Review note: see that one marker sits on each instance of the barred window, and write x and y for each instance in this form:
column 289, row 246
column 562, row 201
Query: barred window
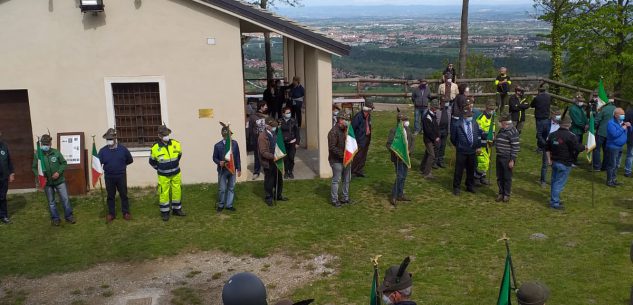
column 137, row 113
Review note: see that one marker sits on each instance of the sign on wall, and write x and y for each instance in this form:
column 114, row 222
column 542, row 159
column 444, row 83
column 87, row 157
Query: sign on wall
column 70, row 147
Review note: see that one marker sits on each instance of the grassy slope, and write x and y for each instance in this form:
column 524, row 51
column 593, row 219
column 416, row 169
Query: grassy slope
column 457, row 259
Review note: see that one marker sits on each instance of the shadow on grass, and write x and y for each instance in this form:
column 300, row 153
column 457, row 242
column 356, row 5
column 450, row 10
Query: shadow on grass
column 624, row 203
column 536, row 194
column 17, row 204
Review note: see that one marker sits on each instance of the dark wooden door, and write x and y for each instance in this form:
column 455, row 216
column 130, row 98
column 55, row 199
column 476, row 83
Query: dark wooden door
column 15, row 124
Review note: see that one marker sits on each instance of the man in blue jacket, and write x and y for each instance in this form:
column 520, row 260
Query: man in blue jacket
column 362, row 130
column 226, row 178
column 616, row 138
column 115, row 159
column 466, row 137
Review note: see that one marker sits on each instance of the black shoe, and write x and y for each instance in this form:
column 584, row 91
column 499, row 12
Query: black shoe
column 178, row 212
column 282, row 198
column 456, row 192
column 71, row 220
column 165, row 215
column 219, row 210
column 269, row 202
column 232, row 209
column 470, row 190
column 403, row 198
column 359, row 175
column 442, row 165
column 337, row 204
column 5, row 220
column 392, row 201
column 291, row 175
column 345, row 201
column 56, row 222
column 629, row 175
column 558, row 207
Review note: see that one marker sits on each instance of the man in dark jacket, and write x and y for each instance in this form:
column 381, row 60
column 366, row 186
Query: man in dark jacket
column 459, row 105
column 431, row 140
column 397, row 192
column 518, row 105
column 444, row 122
column 466, row 137
column 560, row 149
column 579, row 121
column 256, row 126
column 336, row 152
column 296, row 95
column 507, row 144
column 602, row 118
column 226, row 178
column 362, row 129
column 273, row 179
column 7, row 175
column 115, row 159
column 420, row 97
column 541, row 104
column 292, row 138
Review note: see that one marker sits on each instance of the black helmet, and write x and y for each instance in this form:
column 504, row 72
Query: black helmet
column 244, row 289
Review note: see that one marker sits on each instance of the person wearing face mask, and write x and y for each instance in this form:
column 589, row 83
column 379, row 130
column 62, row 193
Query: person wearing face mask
column 486, row 123
column 336, row 152
column 507, row 144
column 431, row 140
column 292, row 138
column 257, row 125
column 53, row 169
column 542, row 107
column 616, row 138
column 115, row 158
column 227, row 173
column 362, row 129
column 397, row 191
column 335, row 111
column 443, row 116
column 448, row 89
column 420, row 97
column 7, row 175
column 502, row 82
column 602, row 118
column 579, row 121
column 273, row 179
column 296, row 95
column 165, row 159
column 518, row 105
column 397, row 285
column 554, row 125
column 466, row 137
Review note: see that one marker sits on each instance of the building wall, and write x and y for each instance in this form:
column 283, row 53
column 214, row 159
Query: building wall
column 63, row 57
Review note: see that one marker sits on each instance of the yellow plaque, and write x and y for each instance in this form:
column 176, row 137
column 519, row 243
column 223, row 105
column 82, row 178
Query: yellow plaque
column 205, row 113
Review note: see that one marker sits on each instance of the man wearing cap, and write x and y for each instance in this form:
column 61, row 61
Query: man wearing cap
column 420, row 97
column 532, row 293
column 226, row 178
column 397, row 285
column 115, row 159
column 507, row 144
column 541, row 104
column 256, row 126
column 466, row 137
column 397, row 191
column 502, row 82
column 431, row 140
column 616, row 138
column 487, row 125
column 561, row 148
column 605, row 114
column 53, row 169
column 362, row 129
column 273, row 179
column 165, row 159
column 448, row 89
column 336, row 152
column 7, row 175
column 443, row 116
column 518, row 105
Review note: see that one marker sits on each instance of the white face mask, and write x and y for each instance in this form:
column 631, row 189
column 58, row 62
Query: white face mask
column 287, row 115
column 581, row 104
column 467, row 89
column 110, row 142
column 406, row 123
column 386, row 300
column 558, row 117
column 446, row 104
column 165, row 139
column 335, row 112
column 274, row 129
column 449, row 80
column 367, row 109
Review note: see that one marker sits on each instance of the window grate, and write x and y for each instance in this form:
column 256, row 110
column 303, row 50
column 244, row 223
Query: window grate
column 137, row 113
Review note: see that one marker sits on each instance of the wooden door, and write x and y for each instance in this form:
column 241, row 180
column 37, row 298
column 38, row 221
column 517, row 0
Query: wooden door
column 15, row 124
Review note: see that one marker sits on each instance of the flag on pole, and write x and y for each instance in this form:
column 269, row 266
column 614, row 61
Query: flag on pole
column 603, row 99
column 40, row 166
column 373, row 295
column 505, row 291
column 351, row 146
column 591, row 137
column 97, row 168
column 400, row 145
column 228, row 156
column 280, row 151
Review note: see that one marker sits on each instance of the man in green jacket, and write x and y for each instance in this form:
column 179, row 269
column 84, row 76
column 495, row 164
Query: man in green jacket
column 53, row 168
column 604, row 115
column 579, row 122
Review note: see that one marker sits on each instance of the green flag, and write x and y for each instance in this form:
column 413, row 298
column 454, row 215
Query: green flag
column 603, row 98
column 400, row 145
column 280, row 151
column 505, row 292
column 373, row 295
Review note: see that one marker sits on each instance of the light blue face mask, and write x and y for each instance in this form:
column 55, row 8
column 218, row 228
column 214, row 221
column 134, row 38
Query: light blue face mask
column 45, row 148
column 621, row 117
column 469, row 119
column 558, row 117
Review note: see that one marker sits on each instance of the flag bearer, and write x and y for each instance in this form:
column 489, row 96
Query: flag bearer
column 226, row 154
column 397, row 285
column 273, row 179
column 115, row 159
column 336, row 156
column 165, row 159
column 400, row 144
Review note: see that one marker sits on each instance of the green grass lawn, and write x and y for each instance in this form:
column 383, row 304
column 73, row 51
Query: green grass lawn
column 453, row 240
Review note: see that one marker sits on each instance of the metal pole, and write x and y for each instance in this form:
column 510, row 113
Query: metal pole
column 514, row 280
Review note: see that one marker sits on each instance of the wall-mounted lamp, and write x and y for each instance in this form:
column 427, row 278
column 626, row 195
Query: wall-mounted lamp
column 93, row 6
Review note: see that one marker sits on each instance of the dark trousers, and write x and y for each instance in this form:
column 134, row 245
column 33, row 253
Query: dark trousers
column 273, row 182
column 575, row 158
column 504, row 175
column 520, row 126
column 440, row 148
column 289, row 159
column 542, row 131
column 467, row 162
column 502, row 101
column 600, row 163
column 4, row 188
column 358, row 164
column 429, row 158
column 257, row 167
column 296, row 111
column 401, row 176
column 114, row 184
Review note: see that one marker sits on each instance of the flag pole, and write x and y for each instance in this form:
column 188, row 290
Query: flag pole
column 378, row 296
column 103, row 200
column 506, row 239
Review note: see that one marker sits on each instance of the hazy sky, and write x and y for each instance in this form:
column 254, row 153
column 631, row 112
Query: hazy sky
column 407, row 2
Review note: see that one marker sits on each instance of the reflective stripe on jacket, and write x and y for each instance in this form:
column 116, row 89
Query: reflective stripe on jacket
column 165, row 158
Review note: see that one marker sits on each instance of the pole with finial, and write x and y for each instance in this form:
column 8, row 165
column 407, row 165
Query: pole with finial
column 506, row 239
column 376, row 298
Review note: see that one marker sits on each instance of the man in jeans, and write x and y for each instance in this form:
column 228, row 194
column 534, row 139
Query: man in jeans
column 336, row 152
column 561, row 148
column 541, row 104
column 226, row 178
column 115, row 159
column 420, row 97
column 617, row 130
column 397, row 191
column 53, row 168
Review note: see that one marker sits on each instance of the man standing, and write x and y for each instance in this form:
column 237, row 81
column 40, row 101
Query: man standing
column 362, row 129
column 257, row 125
column 297, row 93
column 396, row 288
column 459, row 105
column 466, row 137
column 579, row 122
column 503, row 83
column 420, row 97
column 617, row 130
column 518, row 105
column 486, row 124
column 541, row 104
column 227, row 170
column 507, row 143
column 602, row 119
column 336, row 152
column 165, row 159
column 561, row 147
column 53, row 169
column 444, row 122
column 397, row 191
column 628, row 162
column 292, row 138
column 554, row 125
column 115, row 159
column 7, row 175
column 431, row 140
column 273, row 180
column 448, row 89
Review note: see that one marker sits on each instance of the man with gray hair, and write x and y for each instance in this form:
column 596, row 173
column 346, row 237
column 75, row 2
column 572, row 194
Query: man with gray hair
column 397, row 285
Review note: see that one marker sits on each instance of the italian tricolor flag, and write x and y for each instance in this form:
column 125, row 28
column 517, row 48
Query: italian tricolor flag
column 591, row 136
column 228, row 156
column 97, row 169
column 40, row 166
column 351, row 146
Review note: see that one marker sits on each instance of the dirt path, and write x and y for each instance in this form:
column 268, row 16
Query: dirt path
column 195, row 278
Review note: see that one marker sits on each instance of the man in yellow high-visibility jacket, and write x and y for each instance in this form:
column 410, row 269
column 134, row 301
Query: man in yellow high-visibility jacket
column 483, row 159
column 165, row 159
